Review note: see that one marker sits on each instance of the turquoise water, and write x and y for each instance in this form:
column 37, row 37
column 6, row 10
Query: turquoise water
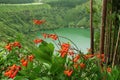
column 81, row 37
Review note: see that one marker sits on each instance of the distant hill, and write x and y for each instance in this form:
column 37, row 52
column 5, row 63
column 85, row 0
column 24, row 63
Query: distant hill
column 15, row 19
column 64, row 3
column 16, row 1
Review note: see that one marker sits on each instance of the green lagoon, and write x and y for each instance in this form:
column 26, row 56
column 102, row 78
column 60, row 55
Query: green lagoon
column 81, row 37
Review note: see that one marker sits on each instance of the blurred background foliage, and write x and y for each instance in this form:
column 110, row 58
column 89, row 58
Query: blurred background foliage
column 16, row 18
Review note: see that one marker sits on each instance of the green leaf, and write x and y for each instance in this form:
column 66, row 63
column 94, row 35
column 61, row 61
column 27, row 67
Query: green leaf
column 30, row 65
column 44, row 52
column 38, row 79
column 20, row 78
column 37, row 69
column 22, row 72
column 43, row 78
column 57, row 64
column 47, row 48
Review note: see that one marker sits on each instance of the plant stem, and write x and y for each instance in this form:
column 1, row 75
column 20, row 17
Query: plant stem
column 72, row 43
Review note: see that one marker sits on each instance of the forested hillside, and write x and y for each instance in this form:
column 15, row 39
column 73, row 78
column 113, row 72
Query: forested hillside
column 16, row 1
column 19, row 18
column 65, row 3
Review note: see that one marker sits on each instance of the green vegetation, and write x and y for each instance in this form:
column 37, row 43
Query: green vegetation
column 20, row 24
column 16, row 1
column 41, row 63
column 18, row 18
column 65, row 3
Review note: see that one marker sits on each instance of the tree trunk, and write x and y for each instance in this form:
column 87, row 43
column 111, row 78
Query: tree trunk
column 116, row 47
column 103, row 22
column 108, row 31
column 91, row 27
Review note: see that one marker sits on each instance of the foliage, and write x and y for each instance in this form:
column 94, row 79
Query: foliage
column 41, row 63
column 20, row 59
column 97, row 13
column 16, row 1
column 65, row 3
column 17, row 18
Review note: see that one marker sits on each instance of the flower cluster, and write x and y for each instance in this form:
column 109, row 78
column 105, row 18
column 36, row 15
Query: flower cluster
column 77, row 57
column 24, row 61
column 12, row 71
column 11, row 45
column 88, row 56
column 38, row 22
column 101, row 57
column 68, row 72
column 52, row 36
column 37, row 41
column 82, row 65
column 98, row 55
column 109, row 69
column 64, row 49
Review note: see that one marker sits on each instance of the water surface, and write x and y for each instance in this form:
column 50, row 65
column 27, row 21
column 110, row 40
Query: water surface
column 81, row 37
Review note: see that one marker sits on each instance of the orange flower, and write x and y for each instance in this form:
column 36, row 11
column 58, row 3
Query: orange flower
column 38, row 22
column 25, row 63
column 109, row 69
column 68, row 72
column 11, row 45
column 30, row 58
column 87, row 56
column 45, row 35
column 100, row 56
column 8, row 73
column 36, row 41
column 8, row 47
column 12, row 71
column 82, row 65
column 14, row 74
column 65, row 45
column 64, row 49
column 75, row 65
column 22, row 60
column 53, row 36
column 63, row 53
column 13, row 67
column 18, row 68
column 17, row 44
column 76, row 58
